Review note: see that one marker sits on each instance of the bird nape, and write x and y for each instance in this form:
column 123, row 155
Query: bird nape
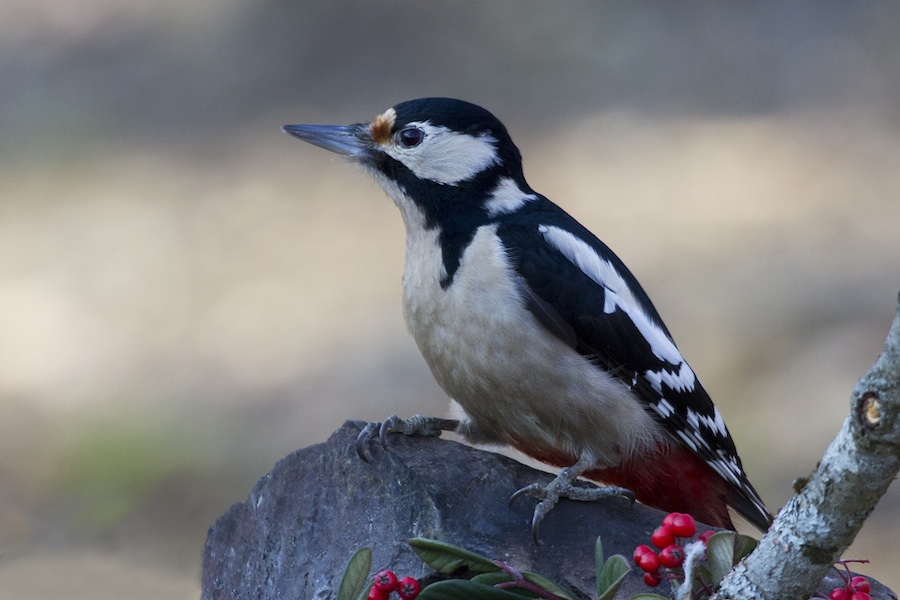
column 537, row 331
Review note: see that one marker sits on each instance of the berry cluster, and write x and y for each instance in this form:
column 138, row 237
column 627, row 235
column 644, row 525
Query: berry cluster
column 387, row 582
column 856, row 589
column 671, row 554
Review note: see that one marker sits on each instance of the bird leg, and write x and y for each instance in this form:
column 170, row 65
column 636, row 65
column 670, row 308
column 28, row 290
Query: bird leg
column 416, row 425
column 563, row 486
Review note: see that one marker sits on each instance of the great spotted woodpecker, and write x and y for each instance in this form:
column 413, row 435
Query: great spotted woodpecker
column 533, row 326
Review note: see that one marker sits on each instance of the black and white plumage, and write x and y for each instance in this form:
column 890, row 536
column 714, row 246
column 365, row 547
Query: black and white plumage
column 532, row 325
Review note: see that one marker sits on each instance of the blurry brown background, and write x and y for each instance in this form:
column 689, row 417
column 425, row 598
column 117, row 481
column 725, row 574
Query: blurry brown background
column 187, row 294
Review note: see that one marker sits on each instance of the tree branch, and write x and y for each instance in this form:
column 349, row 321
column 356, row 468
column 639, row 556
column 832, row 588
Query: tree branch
column 819, row 523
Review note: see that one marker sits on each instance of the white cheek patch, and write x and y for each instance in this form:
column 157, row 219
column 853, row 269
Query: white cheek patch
column 506, row 198
column 445, row 156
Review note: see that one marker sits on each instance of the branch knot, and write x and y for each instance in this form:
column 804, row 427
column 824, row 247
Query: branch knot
column 869, row 410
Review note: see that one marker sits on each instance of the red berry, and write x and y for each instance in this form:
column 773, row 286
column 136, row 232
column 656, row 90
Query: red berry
column 839, row 594
column 376, row 594
column 671, row 556
column 704, row 537
column 662, row 537
column 408, row 588
column 652, row 579
column 649, row 562
column 860, row 596
column 640, row 551
column 859, row 584
column 682, row 525
column 385, row 581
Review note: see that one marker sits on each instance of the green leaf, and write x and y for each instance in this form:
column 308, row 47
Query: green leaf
column 724, row 550
column 598, row 557
column 538, row 580
column 720, row 555
column 364, row 593
column 492, row 578
column 598, row 565
column 546, row 584
column 463, row 589
column 447, row 558
column 743, row 546
column 610, row 573
column 701, row 573
column 611, row 576
column 355, row 575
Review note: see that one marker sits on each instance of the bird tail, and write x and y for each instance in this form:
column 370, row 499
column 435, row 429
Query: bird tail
column 677, row 480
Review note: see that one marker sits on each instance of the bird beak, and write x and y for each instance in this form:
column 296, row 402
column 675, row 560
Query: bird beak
column 348, row 140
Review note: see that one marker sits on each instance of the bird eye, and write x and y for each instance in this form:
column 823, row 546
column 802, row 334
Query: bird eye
column 410, row 137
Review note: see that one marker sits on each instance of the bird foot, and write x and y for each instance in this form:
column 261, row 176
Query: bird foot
column 563, row 486
column 416, row 425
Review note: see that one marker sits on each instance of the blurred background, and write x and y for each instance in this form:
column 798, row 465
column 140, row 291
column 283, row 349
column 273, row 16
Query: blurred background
column 187, row 294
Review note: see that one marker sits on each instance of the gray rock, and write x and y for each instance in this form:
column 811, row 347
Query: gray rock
column 293, row 536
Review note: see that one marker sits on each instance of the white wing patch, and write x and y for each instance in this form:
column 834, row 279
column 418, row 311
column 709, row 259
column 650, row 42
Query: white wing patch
column 585, row 258
column 506, row 198
column 445, row 156
column 619, row 296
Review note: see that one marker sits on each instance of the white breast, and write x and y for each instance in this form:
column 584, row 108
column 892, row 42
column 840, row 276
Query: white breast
column 518, row 384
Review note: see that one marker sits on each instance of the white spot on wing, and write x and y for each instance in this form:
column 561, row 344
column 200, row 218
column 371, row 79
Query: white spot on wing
column 664, row 408
column 714, row 423
column 728, row 469
column 506, row 198
column 618, row 296
column 687, row 440
column 683, row 380
column 445, row 156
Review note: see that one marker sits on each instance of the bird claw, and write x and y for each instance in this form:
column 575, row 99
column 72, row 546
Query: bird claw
column 416, row 425
column 563, row 486
column 363, row 441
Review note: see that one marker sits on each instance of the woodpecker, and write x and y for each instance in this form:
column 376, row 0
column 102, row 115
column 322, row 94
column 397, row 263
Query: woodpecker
column 537, row 331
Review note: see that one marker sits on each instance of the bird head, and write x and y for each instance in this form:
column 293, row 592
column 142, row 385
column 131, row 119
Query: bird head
column 422, row 145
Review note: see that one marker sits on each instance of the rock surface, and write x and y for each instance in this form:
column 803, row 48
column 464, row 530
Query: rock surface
column 292, row 537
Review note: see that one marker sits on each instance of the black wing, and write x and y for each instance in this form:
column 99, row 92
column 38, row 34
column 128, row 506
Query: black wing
column 580, row 290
